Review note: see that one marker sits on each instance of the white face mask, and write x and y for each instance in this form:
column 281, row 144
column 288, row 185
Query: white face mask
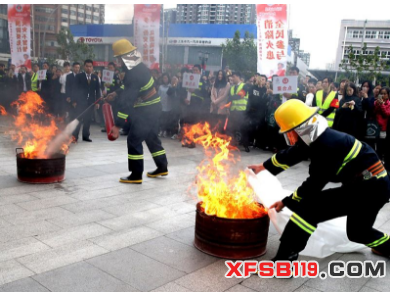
column 132, row 59
column 312, row 129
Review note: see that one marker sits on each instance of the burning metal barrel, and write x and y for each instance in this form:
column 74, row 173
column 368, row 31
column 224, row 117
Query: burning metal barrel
column 40, row 170
column 231, row 238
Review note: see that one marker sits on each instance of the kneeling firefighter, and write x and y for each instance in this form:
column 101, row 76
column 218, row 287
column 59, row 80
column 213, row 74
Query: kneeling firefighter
column 335, row 157
column 139, row 103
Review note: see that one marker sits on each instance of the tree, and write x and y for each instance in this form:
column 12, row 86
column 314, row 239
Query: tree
column 241, row 56
column 366, row 64
column 69, row 49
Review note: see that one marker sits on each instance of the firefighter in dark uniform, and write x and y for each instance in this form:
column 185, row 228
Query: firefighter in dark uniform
column 335, row 157
column 140, row 104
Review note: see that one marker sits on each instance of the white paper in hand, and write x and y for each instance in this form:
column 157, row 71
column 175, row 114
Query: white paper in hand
column 329, row 237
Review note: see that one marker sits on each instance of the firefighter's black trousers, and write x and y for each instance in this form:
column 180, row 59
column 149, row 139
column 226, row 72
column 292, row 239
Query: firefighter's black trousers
column 144, row 123
column 360, row 201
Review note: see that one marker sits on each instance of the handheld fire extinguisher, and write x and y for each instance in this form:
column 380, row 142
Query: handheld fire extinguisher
column 109, row 119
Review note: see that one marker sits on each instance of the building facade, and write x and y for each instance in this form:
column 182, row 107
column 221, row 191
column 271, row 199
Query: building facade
column 170, row 15
column 216, row 13
column 183, row 46
column 49, row 19
column 375, row 33
column 4, row 39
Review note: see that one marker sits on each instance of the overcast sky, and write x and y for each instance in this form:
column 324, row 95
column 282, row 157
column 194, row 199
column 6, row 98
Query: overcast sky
column 317, row 25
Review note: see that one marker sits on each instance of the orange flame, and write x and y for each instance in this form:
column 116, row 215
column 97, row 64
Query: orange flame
column 3, row 111
column 222, row 194
column 35, row 129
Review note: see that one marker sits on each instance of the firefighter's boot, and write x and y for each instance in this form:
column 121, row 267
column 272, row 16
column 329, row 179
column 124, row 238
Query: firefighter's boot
column 161, row 171
column 132, row 179
column 285, row 253
column 383, row 249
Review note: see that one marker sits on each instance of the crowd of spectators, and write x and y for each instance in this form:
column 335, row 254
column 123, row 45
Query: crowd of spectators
column 233, row 104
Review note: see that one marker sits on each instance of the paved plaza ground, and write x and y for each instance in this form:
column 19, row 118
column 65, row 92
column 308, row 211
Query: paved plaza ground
column 92, row 233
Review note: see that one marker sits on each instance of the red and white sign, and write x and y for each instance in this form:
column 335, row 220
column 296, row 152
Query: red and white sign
column 272, row 38
column 41, row 74
column 285, row 84
column 147, row 33
column 107, row 76
column 19, row 31
column 191, row 80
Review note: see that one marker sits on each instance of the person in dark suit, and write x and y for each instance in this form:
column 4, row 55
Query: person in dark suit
column 24, row 82
column 87, row 91
column 46, row 89
column 69, row 88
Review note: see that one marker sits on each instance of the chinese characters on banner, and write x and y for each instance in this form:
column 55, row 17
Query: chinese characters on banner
column 286, row 84
column 19, row 31
column 191, row 80
column 272, row 38
column 147, row 33
column 107, row 76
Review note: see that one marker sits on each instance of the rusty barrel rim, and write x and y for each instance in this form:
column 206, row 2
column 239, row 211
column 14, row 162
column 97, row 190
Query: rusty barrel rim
column 40, row 170
column 231, row 238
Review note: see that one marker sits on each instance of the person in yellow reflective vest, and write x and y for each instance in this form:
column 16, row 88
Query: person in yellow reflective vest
column 335, row 157
column 237, row 126
column 35, row 83
column 140, row 104
column 327, row 100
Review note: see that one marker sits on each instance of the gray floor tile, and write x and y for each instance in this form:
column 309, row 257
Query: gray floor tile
column 135, row 269
column 381, row 284
column 214, row 276
column 72, row 219
column 171, row 287
column 366, row 289
column 343, row 284
column 174, row 254
column 26, row 230
column 304, row 288
column 121, row 239
column 185, row 236
column 24, row 285
column 12, row 270
column 81, row 277
column 62, row 256
column 39, row 215
column 10, row 209
column 73, row 234
column 47, row 203
column 173, row 224
column 273, row 284
column 21, row 247
column 239, row 288
column 129, row 208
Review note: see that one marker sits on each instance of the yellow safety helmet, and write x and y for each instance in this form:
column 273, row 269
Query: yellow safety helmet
column 122, row 47
column 292, row 114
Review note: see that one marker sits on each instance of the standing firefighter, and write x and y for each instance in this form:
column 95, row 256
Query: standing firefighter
column 335, row 157
column 140, row 104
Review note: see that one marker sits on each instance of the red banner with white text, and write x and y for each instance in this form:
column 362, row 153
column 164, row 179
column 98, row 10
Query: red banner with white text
column 147, row 33
column 19, row 31
column 272, row 39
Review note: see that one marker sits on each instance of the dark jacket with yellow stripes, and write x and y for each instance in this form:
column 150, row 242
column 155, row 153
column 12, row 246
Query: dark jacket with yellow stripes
column 138, row 90
column 335, row 157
